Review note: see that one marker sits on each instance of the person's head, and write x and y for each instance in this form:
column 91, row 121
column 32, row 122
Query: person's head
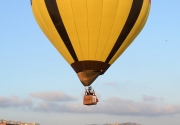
column 89, row 88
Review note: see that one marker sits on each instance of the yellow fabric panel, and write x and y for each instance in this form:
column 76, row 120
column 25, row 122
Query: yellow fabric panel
column 64, row 5
column 103, row 36
column 81, row 25
column 110, row 5
column 67, row 15
column 83, row 38
column 107, row 19
column 94, row 19
column 95, row 4
column 135, row 30
column 120, row 19
column 80, row 16
column 93, row 39
column 87, row 18
column 94, row 22
column 79, row 4
column 50, row 30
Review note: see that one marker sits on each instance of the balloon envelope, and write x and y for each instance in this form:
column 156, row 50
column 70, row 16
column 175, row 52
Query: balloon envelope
column 91, row 34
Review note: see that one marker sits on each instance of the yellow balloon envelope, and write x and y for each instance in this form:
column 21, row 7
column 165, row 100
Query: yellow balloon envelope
column 91, row 34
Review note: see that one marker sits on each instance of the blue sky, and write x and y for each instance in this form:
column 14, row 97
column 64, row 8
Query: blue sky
column 37, row 85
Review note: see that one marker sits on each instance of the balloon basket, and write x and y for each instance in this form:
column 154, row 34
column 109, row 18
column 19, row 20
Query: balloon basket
column 90, row 100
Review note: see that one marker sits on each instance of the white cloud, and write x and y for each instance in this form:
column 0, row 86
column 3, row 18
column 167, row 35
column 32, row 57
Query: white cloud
column 113, row 106
column 152, row 98
column 113, row 84
column 51, row 107
column 15, row 101
column 149, row 98
column 120, row 106
column 60, row 102
column 55, row 96
column 4, row 102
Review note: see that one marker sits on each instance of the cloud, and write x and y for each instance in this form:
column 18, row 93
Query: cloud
column 60, row 102
column 113, row 84
column 149, row 98
column 55, row 96
column 52, row 107
column 152, row 98
column 15, row 101
column 112, row 106
column 118, row 106
column 4, row 102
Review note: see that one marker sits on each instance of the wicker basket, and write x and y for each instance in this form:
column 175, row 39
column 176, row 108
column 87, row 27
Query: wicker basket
column 90, row 100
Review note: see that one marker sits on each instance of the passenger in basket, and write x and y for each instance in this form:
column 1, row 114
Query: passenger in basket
column 90, row 91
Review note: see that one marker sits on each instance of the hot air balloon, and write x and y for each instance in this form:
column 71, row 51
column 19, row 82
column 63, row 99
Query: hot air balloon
column 91, row 34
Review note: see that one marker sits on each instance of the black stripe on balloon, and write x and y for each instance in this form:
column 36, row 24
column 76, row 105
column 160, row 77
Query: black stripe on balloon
column 131, row 20
column 53, row 11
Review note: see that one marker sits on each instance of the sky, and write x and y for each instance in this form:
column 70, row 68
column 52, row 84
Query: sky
column 38, row 85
